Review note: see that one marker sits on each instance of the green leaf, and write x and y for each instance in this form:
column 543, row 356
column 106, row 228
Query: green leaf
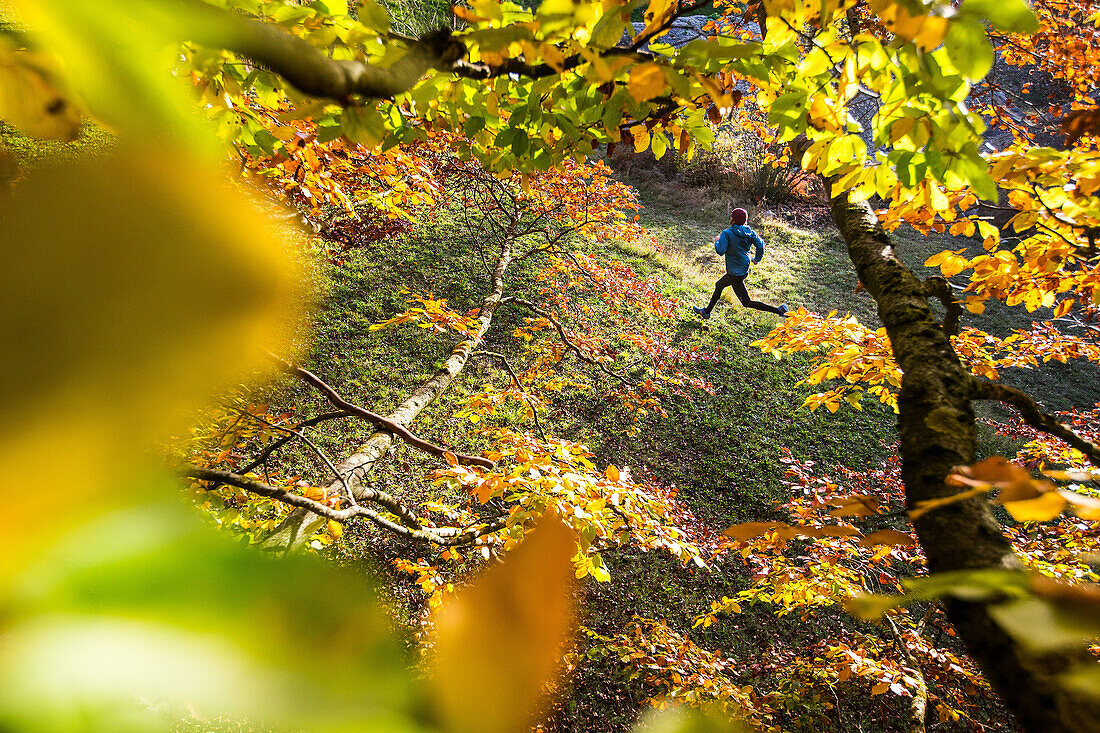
column 1013, row 16
column 1043, row 625
column 373, row 15
column 146, row 608
column 658, row 144
column 969, row 48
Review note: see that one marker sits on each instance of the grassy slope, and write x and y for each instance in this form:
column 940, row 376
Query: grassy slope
column 721, row 451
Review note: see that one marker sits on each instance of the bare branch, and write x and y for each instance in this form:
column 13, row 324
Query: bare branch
column 374, row 418
column 313, row 446
column 443, row 536
column 277, row 444
column 1033, row 415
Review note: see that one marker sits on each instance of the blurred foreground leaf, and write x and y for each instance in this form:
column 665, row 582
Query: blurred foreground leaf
column 501, row 639
column 131, row 287
column 28, row 97
column 146, row 608
column 683, row 719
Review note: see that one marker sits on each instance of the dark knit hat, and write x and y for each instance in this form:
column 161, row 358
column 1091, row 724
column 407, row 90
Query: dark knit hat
column 738, row 217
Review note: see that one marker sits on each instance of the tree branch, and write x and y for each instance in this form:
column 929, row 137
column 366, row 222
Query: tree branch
column 444, row 536
column 276, row 445
column 305, row 66
column 1034, row 416
column 939, row 288
column 313, row 446
column 565, row 339
column 374, row 418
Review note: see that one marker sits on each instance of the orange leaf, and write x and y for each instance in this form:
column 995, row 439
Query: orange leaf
column 749, row 530
column 500, row 640
column 646, row 81
column 888, row 537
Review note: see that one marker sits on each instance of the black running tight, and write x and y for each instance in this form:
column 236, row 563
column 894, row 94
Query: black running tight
column 737, row 282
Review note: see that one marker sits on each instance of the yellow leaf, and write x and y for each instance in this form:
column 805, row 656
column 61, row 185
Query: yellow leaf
column 500, row 640
column 141, row 282
column 931, row 33
column 641, row 138
column 1047, row 506
column 612, row 473
column 656, row 14
column 646, row 81
column 29, row 99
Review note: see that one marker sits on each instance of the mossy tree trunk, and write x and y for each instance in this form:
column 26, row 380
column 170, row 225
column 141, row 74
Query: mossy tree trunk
column 937, row 432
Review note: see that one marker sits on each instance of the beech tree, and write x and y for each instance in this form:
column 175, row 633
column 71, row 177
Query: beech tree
column 308, row 95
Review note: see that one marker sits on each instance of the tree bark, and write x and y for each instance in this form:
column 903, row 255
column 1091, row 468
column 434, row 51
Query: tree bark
column 937, row 431
column 294, row 532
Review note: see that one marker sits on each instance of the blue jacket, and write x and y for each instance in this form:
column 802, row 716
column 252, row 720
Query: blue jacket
column 735, row 244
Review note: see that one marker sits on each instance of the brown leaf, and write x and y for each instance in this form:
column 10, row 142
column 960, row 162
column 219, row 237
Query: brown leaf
column 1081, row 122
column 888, row 537
column 500, row 640
column 855, row 506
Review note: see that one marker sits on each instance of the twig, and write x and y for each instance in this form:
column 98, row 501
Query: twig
column 313, row 446
column 374, row 418
column 566, row 340
column 519, row 386
column 276, row 445
column 444, row 536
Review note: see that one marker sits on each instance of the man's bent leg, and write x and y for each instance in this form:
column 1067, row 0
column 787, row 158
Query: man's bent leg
column 742, row 294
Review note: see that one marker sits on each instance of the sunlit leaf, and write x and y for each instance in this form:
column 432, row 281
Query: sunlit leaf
column 500, row 640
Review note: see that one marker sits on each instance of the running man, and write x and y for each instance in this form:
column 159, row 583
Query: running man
column 735, row 243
